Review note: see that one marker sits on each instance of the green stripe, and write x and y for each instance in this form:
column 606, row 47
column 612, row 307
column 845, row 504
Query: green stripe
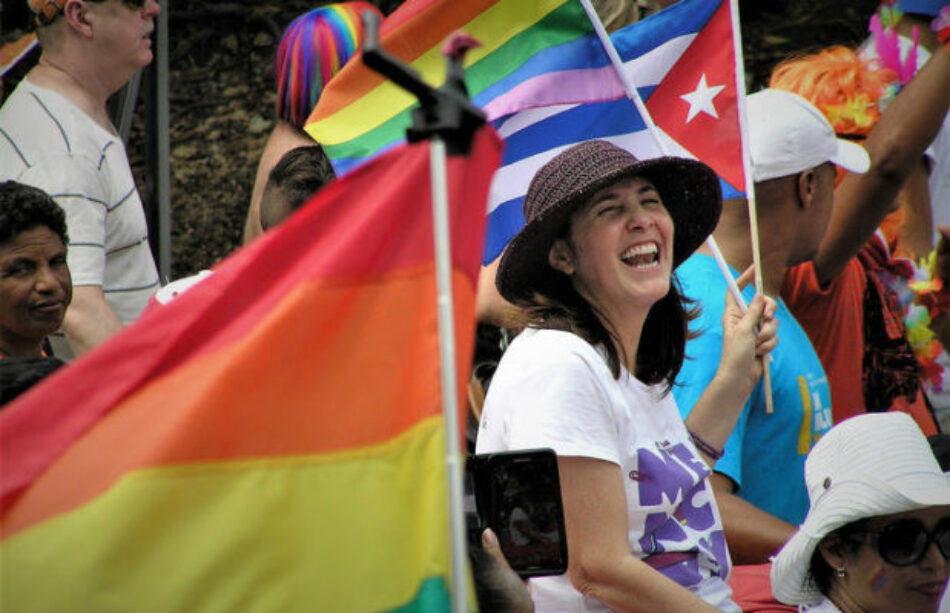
column 433, row 595
column 557, row 27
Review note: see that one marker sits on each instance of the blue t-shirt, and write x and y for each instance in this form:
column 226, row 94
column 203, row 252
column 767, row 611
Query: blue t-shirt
column 765, row 455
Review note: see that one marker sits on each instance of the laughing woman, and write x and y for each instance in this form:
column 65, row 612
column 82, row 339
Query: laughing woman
column 590, row 377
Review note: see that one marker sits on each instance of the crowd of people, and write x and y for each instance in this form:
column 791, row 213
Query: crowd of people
column 688, row 483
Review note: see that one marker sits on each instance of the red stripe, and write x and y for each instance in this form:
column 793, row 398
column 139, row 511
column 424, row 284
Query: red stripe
column 373, row 223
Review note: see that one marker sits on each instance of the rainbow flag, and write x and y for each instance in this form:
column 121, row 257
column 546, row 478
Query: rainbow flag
column 16, row 50
column 272, row 439
column 360, row 114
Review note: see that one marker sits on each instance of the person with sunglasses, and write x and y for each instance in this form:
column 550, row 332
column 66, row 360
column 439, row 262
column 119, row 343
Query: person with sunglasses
column 877, row 535
column 56, row 135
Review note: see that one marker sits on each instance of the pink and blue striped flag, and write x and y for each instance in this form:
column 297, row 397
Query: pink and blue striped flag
column 682, row 60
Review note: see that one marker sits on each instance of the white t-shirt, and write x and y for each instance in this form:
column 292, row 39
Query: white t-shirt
column 553, row 389
column 48, row 142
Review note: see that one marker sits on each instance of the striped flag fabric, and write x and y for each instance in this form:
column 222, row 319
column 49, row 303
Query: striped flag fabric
column 682, row 60
column 272, row 439
column 360, row 115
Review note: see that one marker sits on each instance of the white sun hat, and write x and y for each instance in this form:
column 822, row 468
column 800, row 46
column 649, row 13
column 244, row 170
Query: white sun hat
column 788, row 135
column 870, row 465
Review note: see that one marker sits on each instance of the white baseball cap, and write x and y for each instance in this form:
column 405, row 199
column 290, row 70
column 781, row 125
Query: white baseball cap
column 869, row 465
column 789, row 135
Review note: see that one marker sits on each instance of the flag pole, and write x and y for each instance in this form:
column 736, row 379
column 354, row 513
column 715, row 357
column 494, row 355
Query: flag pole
column 632, row 93
column 448, row 120
column 446, row 321
column 628, row 85
column 749, row 182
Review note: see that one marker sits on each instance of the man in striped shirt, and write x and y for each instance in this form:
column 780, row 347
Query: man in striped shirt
column 55, row 134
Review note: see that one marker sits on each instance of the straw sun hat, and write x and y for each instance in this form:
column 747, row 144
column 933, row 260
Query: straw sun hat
column 689, row 189
column 870, row 465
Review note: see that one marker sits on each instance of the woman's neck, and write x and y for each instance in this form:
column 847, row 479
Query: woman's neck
column 839, row 595
column 11, row 348
column 625, row 331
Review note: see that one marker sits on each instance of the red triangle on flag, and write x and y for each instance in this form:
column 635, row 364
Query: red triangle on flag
column 705, row 75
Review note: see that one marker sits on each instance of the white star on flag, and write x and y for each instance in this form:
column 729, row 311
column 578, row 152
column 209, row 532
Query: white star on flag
column 701, row 99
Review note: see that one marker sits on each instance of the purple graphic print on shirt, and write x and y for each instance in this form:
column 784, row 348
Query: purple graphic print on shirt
column 673, row 475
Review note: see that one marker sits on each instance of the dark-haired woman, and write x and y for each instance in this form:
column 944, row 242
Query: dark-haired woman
column 35, row 285
column 590, row 378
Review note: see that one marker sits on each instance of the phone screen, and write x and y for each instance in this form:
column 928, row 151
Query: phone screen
column 526, row 511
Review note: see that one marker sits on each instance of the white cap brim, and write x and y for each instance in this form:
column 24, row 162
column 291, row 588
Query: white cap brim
column 852, row 157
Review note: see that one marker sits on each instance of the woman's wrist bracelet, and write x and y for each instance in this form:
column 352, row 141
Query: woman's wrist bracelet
column 705, row 447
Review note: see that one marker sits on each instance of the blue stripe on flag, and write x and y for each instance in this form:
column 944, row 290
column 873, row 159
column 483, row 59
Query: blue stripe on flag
column 584, row 122
column 685, row 17
column 503, row 223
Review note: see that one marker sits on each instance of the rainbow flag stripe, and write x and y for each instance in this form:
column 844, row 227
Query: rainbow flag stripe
column 360, row 114
column 272, row 439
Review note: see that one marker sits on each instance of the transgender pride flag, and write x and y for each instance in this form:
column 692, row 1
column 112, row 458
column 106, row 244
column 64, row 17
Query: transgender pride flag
column 683, row 61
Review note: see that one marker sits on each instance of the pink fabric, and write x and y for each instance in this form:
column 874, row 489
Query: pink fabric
column 752, row 590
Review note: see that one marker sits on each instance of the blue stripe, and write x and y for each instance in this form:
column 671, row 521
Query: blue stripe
column 341, row 166
column 124, row 199
column 728, row 191
column 69, row 149
column 684, row 17
column 102, row 154
column 15, row 148
column 585, row 122
column 503, row 223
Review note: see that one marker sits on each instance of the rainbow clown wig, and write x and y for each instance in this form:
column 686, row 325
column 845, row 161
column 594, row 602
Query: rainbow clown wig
column 313, row 48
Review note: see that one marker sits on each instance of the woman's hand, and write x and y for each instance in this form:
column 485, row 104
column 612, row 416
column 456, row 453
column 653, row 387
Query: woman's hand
column 747, row 337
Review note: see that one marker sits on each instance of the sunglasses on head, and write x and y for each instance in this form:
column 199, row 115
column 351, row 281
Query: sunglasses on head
column 905, row 542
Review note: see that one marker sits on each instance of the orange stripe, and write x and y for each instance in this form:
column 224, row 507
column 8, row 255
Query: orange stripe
column 218, row 406
column 407, row 42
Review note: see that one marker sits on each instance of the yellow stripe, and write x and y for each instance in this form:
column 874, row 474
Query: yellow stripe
column 804, row 434
column 357, row 530
column 492, row 28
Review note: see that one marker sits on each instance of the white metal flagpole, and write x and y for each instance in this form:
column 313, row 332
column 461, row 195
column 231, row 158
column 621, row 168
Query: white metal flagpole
column 446, row 323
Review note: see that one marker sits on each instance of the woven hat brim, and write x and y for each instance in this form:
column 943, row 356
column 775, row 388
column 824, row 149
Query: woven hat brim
column 852, row 501
column 690, row 192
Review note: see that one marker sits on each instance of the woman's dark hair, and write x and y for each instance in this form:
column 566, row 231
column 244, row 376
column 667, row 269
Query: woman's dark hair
column 662, row 346
column 23, row 207
column 298, row 175
column 820, row 572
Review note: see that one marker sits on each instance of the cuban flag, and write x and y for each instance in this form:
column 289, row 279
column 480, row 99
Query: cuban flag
column 683, row 62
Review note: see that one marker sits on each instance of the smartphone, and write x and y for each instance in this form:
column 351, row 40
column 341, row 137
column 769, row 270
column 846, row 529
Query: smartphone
column 518, row 495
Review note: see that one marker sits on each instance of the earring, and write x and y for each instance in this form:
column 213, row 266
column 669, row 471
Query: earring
column 841, row 572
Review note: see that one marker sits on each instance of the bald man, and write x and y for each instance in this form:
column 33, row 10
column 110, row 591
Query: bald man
column 55, row 134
